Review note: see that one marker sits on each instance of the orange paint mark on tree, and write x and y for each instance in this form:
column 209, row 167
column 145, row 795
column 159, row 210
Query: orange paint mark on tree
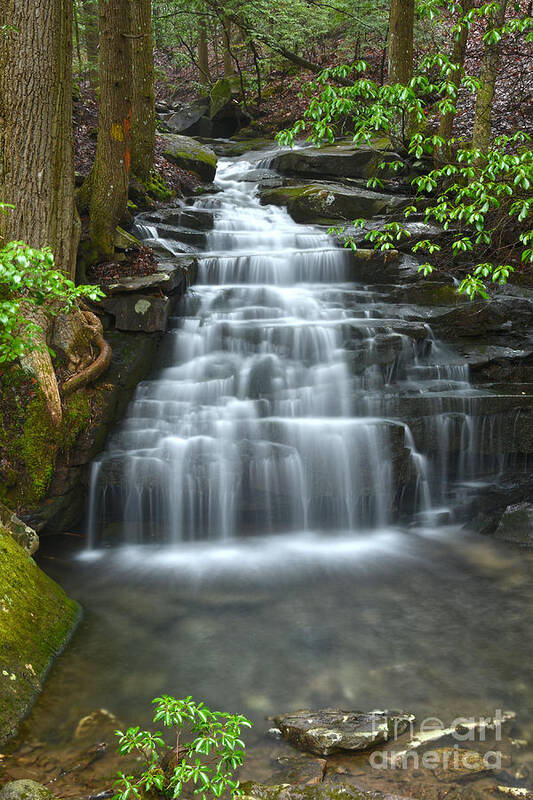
column 127, row 130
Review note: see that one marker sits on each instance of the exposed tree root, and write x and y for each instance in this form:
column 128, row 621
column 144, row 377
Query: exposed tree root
column 96, row 367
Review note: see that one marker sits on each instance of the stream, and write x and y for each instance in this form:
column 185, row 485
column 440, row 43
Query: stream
column 267, row 530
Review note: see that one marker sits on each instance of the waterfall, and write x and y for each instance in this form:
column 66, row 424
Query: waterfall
column 282, row 404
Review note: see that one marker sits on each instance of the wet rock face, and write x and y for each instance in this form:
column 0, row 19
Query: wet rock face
column 330, row 731
column 516, row 524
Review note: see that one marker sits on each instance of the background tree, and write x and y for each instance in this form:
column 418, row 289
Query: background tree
column 105, row 192
column 401, row 41
column 36, row 139
column 489, row 71
column 143, row 101
column 90, row 27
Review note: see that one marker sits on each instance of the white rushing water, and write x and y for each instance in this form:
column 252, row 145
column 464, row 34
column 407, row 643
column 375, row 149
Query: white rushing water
column 282, row 403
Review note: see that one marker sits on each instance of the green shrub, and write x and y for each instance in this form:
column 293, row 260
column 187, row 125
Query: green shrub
column 208, row 759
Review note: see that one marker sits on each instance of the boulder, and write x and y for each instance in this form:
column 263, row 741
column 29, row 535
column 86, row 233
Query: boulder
column 18, row 530
column 337, row 161
column 224, row 91
column 138, row 312
column 190, row 155
column 25, row 790
column 192, row 119
column 36, row 620
column 516, row 524
column 328, row 731
column 226, row 112
column 328, row 203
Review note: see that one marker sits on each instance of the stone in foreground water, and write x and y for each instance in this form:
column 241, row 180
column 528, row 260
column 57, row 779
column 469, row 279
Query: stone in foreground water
column 328, row 730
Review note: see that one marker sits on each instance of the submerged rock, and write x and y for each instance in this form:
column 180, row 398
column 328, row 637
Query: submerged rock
column 25, row 790
column 190, row 155
column 98, row 725
column 328, row 731
column 285, row 791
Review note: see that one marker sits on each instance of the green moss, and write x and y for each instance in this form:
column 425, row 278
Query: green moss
column 76, row 416
column 222, row 92
column 157, row 188
column 36, row 619
column 29, row 443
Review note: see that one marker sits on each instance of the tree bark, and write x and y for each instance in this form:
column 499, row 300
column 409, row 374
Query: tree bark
column 481, row 133
column 458, row 59
column 401, row 37
column 107, row 184
column 36, row 140
column 90, row 25
column 228, row 61
column 143, row 111
column 203, row 53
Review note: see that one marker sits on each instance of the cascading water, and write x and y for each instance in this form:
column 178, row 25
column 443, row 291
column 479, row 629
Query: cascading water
column 282, row 403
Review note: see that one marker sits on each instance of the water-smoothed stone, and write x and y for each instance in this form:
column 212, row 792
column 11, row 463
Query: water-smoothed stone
column 178, row 234
column 25, row 790
column 516, row 524
column 36, row 619
column 322, row 791
column 324, row 203
column 328, row 731
column 338, row 161
column 266, row 178
column 190, row 155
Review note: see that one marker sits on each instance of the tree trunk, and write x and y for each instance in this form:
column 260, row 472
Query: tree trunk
column 107, row 184
column 36, row 141
column 489, row 71
column 90, row 25
column 143, row 113
column 228, row 61
column 458, row 59
column 203, row 53
column 401, row 36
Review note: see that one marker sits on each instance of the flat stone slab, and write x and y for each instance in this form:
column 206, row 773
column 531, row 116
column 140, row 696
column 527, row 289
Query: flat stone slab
column 167, row 280
column 328, row 730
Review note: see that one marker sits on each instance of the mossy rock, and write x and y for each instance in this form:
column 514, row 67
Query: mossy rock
column 190, row 155
column 326, row 203
column 29, row 443
column 36, row 620
column 222, row 93
column 25, row 790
